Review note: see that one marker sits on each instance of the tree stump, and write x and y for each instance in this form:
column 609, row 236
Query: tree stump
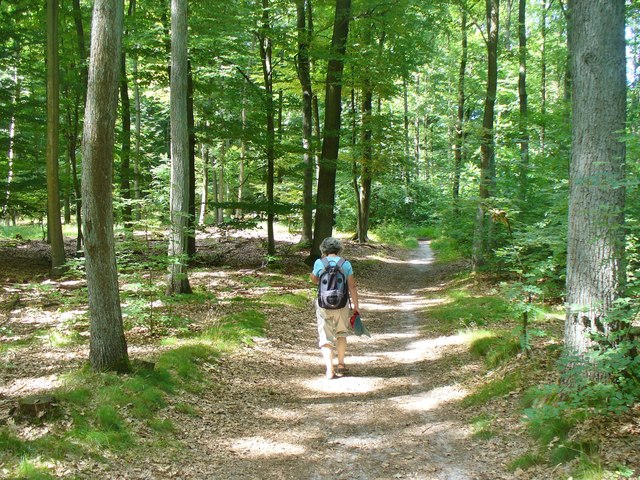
column 36, row 406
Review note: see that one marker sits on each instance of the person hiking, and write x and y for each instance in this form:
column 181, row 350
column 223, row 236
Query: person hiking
column 332, row 308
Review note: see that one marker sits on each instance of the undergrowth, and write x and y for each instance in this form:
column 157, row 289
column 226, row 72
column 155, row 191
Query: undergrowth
column 100, row 414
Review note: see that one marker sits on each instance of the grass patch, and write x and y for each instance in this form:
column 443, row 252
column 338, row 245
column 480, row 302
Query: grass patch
column 107, row 411
column 446, row 249
column 31, row 469
column 526, row 461
column 481, row 428
column 403, row 235
column 466, row 311
column 286, row 299
column 493, row 346
column 491, row 390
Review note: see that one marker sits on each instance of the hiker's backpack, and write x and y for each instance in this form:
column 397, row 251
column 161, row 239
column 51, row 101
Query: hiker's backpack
column 333, row 292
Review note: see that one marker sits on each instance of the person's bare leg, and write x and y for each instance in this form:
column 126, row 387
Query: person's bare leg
column 341, row 346
column 327, row 354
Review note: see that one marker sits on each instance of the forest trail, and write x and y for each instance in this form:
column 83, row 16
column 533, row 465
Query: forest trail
column 273, row 415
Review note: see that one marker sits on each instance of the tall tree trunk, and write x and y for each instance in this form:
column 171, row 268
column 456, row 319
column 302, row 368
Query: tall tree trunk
column 481, row 235
column 243, row 157
column 137, row 125
column 354, row 161
column 595, row 256
column 543, row 77
column 108, row 347
column 331, row 143
column 220, row 184
column 522, row 93
column 507, row 25
column 267, row 73
column 178, row 282
column 12, row 138
column 204, row 198
column 304, row 75
column 191, row 124
column 84, row 69
column 364, row 202
column 459, row 137
column 66, row 187
column 125, row 154
column 53, row 130
column 73, row 143
column 407, row 157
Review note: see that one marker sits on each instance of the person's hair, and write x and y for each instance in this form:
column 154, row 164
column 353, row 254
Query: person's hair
column 330, row 245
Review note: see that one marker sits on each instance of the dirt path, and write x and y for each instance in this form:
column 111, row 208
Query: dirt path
column 395, row 416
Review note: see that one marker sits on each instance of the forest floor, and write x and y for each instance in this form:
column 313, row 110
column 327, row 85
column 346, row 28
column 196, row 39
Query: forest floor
column 269, row 412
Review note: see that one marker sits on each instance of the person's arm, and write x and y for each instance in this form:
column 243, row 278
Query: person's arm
column 314, row 279
column 353, row 291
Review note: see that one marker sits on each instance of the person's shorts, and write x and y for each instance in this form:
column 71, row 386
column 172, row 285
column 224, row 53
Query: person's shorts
column 332, row 324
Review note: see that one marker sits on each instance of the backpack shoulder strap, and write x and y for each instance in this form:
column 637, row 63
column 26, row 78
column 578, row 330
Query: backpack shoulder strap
column 341, row 262
column 325, row 262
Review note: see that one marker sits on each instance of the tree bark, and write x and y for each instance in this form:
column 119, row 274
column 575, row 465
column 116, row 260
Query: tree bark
column 304, row 75
column 108, row 347
column 481, row 235
column 125, row 154
column 204, row 199
column 178, row 282
column 459, row 138
column 364, row 202
column 543, row 77
column 12, row 136
column 522, row 93
column 331, row 143
column 191, row 124
column 595, row 256
column 264, row 38
column 53, row 130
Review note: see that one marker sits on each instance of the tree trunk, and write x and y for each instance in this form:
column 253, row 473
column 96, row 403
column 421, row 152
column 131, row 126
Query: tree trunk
column 595, row 256
column 459, row 138
column 243, row 156
column 191, row 124
column 204, row 199
column 264, row 37
column 304, row 75
column 125, row 155
column 84, row 69
column 11, row 152
column 481, row 234
column 543, row 78
column 407, row 157
column 364, row 201
column 522, row 93
column 53, row 130
column 108, row 347
column 220, row 183
column 331, row 143
column 178, row 282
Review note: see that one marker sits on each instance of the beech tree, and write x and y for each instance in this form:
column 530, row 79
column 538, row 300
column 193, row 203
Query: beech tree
column 595, row 257
column 178, row 281
column 108, row 347
column 331, row 142
column 54, row 225
column 482, row 231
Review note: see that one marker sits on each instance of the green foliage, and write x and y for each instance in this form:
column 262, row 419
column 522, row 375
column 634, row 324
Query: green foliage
column 481, row 427
column 467, row 311
column 493, row 389
column 495, row 347
column 395, row 233
column 526, row 461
